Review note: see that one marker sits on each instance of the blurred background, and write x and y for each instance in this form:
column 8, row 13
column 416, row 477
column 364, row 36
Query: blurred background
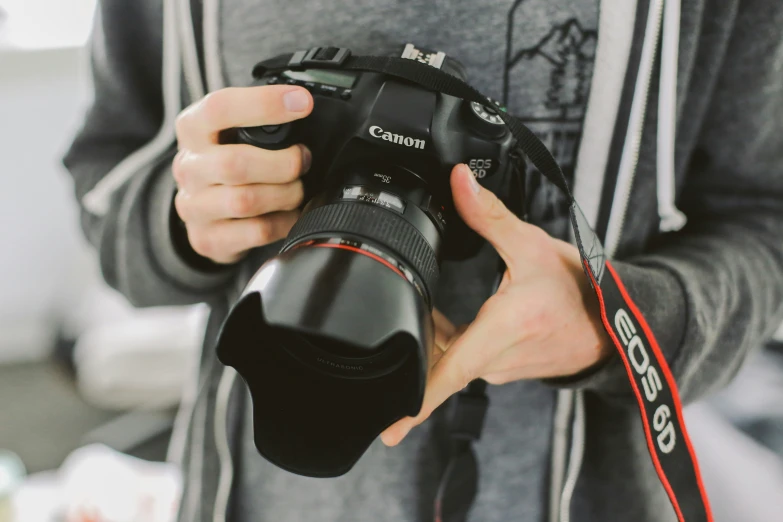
column 79, row 368
column 89, row 387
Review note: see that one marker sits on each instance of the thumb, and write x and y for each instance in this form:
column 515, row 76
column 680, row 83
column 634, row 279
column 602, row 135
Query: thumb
column 488, row 216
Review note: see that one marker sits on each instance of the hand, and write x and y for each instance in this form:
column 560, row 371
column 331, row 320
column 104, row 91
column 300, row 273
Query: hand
column 236, row 197
column 543, row 321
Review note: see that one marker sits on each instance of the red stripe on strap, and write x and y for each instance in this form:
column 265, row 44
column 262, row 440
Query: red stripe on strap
column 639, row 399
column 669, row 379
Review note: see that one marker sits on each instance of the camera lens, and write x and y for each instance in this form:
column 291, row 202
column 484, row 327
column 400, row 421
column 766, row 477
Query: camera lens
column 337, row 327
column 386, row 215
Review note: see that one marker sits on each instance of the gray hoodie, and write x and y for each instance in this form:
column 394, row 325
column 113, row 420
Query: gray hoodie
column 711, row 290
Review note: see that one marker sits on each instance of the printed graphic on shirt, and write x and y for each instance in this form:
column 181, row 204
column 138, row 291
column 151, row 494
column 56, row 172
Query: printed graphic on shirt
column 548, row 74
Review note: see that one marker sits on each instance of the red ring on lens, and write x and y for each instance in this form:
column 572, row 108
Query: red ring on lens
column 360, row 251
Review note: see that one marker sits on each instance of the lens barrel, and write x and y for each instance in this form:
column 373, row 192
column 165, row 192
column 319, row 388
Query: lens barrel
column 381, row 228
column 332, row 336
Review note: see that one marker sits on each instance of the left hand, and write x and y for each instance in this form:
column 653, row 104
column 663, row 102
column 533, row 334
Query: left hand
column 543, row 321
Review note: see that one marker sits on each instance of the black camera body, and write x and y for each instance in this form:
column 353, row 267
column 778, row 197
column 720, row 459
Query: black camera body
column 413, row 135
column 333, row 335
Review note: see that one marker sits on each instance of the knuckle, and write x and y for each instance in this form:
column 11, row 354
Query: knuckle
column 182, row 206
column 295, row 196
column 201, row 242
column 261, row 233
column 293, row 166
column 177, row 169
column 184, row 121
column 212, row 107
column 183, row 168
column 242, row 201
column 231, row 164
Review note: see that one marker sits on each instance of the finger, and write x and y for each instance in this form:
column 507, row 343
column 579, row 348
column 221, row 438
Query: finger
column 442, row 344
column 445, row 335
column 444, row 330
column 482, row 211
column 236, row 202
column 239, row 165
column 198, row 126
column 460, row 364
column 227, row 241
column 444, row 381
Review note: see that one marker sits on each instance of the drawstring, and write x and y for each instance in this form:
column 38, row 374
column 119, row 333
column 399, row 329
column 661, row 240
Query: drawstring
column 214, row 72
column 190, row 63
column 671, row 218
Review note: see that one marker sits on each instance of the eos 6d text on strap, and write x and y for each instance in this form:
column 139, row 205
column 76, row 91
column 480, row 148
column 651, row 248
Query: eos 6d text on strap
column 647, row 370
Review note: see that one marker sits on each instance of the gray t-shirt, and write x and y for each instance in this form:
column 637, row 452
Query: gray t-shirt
column 551, row 49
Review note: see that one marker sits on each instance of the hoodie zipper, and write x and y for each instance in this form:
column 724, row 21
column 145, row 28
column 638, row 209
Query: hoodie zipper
column 633, row 141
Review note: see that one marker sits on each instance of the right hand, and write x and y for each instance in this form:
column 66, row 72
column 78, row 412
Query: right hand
column 235, row 197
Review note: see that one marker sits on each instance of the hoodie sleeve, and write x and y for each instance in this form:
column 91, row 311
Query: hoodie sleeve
column 139, row 241
column 713, row 291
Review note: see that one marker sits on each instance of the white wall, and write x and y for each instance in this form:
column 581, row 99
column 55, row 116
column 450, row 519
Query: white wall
column 44, row 261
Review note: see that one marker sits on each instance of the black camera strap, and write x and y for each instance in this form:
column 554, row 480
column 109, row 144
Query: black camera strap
column 458, row 486
column 647, row 370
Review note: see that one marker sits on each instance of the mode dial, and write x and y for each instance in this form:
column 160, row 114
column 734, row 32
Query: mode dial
column 485, row 119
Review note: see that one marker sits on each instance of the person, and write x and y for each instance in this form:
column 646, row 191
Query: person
column 647, row 139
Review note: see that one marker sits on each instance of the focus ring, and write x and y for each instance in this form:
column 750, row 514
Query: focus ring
column 373, row 223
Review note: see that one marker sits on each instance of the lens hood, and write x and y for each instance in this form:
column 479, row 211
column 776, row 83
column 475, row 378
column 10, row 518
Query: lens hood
column 332, row 345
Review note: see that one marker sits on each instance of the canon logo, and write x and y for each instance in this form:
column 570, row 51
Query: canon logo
column 377, row 132
column 651, row 381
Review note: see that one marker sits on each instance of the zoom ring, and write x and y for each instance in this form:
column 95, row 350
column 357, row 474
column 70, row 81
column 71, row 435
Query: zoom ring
column 373, row 223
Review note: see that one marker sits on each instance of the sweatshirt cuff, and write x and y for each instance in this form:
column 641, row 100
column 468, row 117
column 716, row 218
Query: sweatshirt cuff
column 169, row 243
column 660, row 297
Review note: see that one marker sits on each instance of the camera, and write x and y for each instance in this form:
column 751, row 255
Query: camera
column 333, row 335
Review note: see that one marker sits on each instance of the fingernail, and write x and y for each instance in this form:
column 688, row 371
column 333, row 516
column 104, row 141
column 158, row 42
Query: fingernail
column 472, row 177
column 307, row 159
column 296, row 100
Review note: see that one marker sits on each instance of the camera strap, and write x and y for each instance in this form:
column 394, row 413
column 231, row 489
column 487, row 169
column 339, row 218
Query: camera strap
column 648, row 372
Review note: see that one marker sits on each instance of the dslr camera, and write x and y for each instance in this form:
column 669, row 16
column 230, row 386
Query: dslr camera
column 333, row 335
